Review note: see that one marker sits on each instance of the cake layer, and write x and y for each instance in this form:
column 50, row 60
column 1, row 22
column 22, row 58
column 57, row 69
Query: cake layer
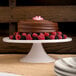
column 29, row 21
column 21, row 30
column 37, row 26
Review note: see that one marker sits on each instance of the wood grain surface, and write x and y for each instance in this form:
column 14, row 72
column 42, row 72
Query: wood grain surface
column 53, row 13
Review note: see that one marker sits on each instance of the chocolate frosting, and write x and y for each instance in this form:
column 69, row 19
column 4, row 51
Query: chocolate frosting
column 37, row 26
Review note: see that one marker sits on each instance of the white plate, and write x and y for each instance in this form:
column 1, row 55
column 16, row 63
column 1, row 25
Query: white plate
column 66, row 66
column 8, row 74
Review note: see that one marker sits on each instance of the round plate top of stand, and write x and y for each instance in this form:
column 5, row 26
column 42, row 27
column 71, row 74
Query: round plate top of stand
column 6, row 39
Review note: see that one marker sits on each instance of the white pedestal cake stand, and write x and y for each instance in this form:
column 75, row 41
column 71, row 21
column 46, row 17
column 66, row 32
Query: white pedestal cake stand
column 37, row 54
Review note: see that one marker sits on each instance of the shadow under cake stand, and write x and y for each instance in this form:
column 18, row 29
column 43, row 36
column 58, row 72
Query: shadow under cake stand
column 37, row 53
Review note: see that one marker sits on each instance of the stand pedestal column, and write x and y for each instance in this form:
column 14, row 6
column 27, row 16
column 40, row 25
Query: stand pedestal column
column 37, row 54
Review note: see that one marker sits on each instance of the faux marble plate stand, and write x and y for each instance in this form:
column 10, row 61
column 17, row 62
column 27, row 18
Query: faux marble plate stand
column 37, row 53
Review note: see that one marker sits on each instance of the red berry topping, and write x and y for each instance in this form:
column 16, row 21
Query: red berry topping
column 17, row 33
column 59, row 37
column 52, row 37
column 41, row 37
column 59, row 33
column 65, row 36
column 28, row 37
column 18, row 37
column 23, row 34
column 34, row 35
column 11, row 36
column 53, row 33
column 46, row 34
column 14, row 33
column 41, row 34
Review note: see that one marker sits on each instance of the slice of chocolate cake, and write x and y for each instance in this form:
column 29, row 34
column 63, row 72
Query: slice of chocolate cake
column 37, row 24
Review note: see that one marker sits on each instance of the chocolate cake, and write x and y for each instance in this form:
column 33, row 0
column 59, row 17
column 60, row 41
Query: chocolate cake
column 37, row 29
column 35, row 25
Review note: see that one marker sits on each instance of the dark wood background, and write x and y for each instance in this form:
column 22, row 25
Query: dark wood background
column 38, row 2
column 61, row 11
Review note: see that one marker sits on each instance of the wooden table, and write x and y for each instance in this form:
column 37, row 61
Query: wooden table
column 10, row 63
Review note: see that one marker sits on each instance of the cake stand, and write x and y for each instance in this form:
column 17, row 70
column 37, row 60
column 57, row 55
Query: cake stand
column 37, row 53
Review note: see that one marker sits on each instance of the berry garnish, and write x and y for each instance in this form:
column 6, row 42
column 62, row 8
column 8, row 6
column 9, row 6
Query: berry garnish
column 52, row 37
column 41, row 34
column 18, row 37
column 23, row 34
column 59, row 36
column 14, row 33
column 41, row 37
column 53, row 33
column 34, row 35
column 65, row 36
column 28, row 37
column 17, row 33
column 46, row 34
column 11, row 36
column 59, row 33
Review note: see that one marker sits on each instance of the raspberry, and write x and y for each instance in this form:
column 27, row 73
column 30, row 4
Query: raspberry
column 46, row 34
column 11, row 36
column 23, row 34
column 18, row 37
column 14, row 33
column 59, row 33
column 17, row 33
column 34, row 35
column 53, row 33
column 28, row 37
column 41, row 34
column 65, row 36
column 40, row 37
column 52, row 37
column 59, row 37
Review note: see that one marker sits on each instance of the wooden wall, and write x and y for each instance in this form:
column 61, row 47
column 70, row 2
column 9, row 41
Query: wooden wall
column 53, row 13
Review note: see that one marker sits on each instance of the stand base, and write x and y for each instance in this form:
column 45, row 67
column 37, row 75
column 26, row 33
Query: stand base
column 37, row 55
